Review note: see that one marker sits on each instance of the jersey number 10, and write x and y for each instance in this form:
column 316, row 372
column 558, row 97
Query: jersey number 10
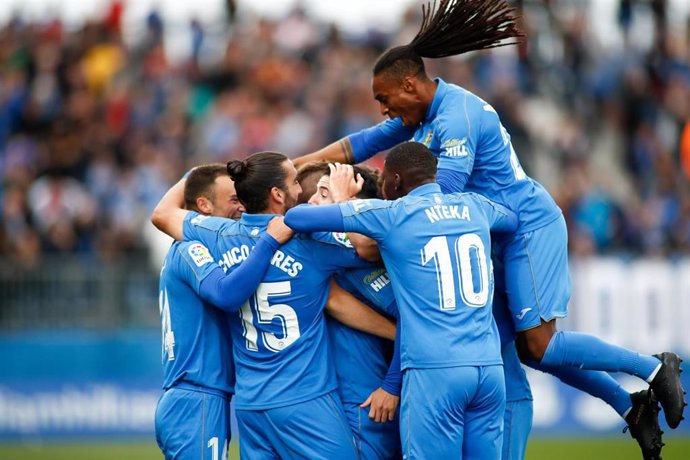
column 471, row 267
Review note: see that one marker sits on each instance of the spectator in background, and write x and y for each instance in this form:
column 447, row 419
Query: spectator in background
column 123, row 121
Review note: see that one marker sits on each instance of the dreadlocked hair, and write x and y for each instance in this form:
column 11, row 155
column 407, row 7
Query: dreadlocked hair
column 455, row 27
column 459, row 26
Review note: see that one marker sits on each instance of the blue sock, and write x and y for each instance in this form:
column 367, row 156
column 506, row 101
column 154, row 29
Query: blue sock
column 573, row 349
column 596, row 383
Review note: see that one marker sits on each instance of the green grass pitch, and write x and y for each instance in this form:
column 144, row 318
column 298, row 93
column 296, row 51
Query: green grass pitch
column 538, row 449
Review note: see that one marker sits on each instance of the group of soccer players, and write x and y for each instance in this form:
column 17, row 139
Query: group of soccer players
column 471, row 284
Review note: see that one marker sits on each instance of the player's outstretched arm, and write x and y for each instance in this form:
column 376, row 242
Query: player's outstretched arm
column 362, row 145
column 168, row 215
column 347, row 309
column 307, row 218
column 337, row 152
column 229, row 291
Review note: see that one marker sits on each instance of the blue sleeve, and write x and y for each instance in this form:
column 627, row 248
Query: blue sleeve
column 393, row 381
column 194, row 263
column 370, row 141
column 451, row 181
column 373, row 218
column 204, row 228
column 230, row 291
column 307, row 218
column 457, row 131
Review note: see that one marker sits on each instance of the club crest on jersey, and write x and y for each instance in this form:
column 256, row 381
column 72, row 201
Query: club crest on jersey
column 342, row 238
column 428, row 138
column 200, row 255
column 455, row 148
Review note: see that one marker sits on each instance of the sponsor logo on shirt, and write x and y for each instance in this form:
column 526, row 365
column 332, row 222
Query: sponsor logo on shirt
column 200, row 255
column 373, row 275
column 455, row 148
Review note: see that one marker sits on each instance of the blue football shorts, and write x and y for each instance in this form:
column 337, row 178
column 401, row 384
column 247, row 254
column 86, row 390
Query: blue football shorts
column 517, row 424
column 192, row 424
column 537, row 277
column 452, row 412
column 316, row 429
column 374, row 441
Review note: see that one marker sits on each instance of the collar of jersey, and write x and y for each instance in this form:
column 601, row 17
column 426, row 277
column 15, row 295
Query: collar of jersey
column 257, row 219
column 441, row 90
column 426, row 189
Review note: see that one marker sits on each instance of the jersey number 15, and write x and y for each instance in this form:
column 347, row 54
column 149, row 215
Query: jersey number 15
column 267, row 314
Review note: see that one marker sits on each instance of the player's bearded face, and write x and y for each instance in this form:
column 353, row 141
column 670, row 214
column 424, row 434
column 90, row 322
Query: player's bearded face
column 292, row 187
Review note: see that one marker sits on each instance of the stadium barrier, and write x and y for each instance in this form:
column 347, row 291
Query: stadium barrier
column 65, row 375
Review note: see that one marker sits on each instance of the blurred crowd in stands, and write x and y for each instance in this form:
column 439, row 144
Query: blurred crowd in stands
column 93, row 130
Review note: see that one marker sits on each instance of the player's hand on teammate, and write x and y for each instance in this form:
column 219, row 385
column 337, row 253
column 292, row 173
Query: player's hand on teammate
column 343, row 183
column 278, row 230
column 367, row 248
column 383, row 405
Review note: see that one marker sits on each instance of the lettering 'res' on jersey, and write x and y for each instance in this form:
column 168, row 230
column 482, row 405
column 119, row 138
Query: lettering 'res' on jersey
column 279, row 337
column 437, row 250
column 196, row 346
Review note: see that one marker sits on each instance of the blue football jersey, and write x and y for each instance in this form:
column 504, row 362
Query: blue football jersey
column 466, row 135
column 196, row 345
column 437, row 250
column 279, row 335
column 361, row 359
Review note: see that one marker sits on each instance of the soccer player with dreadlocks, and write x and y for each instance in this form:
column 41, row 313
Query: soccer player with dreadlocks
column 474, row 153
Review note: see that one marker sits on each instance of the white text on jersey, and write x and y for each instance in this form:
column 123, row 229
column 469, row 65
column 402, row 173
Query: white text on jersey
column 442, row 211
column 237, row 254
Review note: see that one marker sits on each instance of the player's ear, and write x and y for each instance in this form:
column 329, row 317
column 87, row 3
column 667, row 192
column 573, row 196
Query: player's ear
column 397, row 181
column 278, row 195
column 204, row 205
column 409, row 84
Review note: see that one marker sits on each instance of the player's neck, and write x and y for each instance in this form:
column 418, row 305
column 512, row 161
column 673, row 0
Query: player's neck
column 427, row 92
column 412, row 182
column 274, row 208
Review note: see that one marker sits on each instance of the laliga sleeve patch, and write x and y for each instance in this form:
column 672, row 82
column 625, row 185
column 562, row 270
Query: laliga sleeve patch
column 200, row 254
column 342, row 238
